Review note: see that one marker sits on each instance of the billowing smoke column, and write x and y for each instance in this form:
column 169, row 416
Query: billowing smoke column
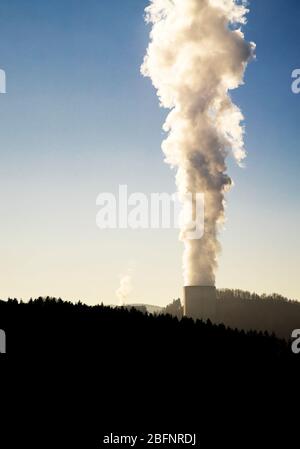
column 196, row 54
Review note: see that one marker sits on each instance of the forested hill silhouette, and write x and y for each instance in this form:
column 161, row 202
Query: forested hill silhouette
column 250, row 311
column 116, row 370
column 52, row 326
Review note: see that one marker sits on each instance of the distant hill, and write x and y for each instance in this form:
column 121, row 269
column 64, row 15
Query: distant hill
column 145, row 307
column 250, row 311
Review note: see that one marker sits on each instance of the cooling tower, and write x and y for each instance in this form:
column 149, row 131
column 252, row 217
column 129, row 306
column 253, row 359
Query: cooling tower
column 200, row 302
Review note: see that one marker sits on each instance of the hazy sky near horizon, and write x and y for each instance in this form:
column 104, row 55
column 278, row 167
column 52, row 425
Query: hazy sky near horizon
column 78, row 119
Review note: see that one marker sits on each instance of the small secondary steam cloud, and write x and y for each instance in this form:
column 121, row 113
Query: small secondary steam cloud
column 124, row 289
column 196, row 55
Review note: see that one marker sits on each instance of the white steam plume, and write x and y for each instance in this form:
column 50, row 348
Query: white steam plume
column 124, row 289
column 196, row 54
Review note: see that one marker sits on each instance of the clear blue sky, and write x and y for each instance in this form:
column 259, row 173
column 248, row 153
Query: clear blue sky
column 79, row 119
